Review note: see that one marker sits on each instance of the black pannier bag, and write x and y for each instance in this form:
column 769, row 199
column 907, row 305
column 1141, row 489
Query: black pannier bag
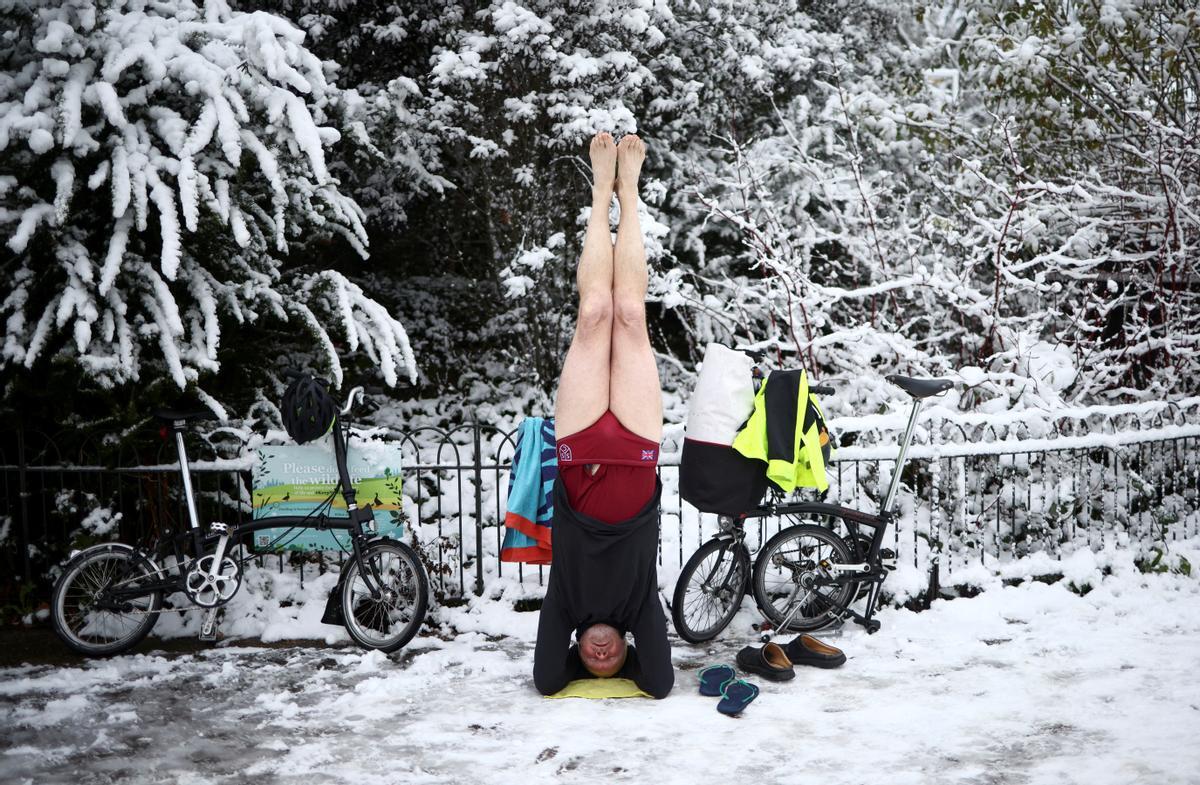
column 714, row 477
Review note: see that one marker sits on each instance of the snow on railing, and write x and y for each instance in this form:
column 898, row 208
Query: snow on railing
column 1112, row 417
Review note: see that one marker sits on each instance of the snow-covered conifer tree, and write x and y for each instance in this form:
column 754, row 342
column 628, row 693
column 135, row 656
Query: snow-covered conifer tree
column 157, row 164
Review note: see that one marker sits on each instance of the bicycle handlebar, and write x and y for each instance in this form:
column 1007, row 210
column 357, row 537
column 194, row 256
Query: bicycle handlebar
column 354, row 391
column 821, row 389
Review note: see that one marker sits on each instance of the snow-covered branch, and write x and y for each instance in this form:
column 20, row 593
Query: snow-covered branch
column 202, row 135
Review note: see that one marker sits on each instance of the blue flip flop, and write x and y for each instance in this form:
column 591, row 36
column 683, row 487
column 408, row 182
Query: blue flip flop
column 735, row 696
column 713, row 678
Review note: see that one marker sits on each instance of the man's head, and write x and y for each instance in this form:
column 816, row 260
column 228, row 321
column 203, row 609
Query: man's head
column 602, row 649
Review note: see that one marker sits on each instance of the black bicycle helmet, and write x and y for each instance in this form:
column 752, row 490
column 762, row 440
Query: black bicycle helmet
column 307, row 409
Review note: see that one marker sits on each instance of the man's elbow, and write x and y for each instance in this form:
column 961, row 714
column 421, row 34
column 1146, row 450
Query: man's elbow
column 546, row 683
column 661, row 688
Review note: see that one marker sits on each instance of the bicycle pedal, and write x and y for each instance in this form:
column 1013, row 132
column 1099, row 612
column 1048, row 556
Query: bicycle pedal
column 218, row 528
column 887, row 558
column 208, row 629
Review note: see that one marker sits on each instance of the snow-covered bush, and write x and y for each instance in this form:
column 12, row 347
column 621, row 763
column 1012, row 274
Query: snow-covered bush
column 997, row 187
column 157, row 164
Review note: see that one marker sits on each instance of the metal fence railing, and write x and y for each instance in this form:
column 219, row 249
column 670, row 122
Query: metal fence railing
column 972, row 494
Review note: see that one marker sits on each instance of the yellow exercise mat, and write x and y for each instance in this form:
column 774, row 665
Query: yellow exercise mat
column 600, row 688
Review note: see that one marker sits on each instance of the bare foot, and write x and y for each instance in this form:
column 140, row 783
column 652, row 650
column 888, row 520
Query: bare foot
column 630, row 154
column 604, row 164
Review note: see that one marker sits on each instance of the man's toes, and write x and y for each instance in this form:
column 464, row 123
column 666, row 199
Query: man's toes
column 632, row 145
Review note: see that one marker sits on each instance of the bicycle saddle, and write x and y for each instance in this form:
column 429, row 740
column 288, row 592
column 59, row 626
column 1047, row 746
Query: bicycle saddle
column 921, row 388
column 173, row 415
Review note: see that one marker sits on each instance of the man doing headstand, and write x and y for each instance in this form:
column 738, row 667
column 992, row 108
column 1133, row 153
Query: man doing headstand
column 608, row 424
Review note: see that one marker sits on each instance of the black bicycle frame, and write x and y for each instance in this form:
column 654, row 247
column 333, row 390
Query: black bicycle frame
column 734, row 544
column 359, row 523
column 851, row 517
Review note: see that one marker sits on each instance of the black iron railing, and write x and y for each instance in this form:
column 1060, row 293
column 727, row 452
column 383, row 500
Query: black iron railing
column 973, row 494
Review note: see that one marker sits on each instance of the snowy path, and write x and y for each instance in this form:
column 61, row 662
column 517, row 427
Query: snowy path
column 1019, row 685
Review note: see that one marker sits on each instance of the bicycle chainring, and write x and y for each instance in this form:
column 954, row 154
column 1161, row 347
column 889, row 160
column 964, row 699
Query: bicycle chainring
column 211, row 591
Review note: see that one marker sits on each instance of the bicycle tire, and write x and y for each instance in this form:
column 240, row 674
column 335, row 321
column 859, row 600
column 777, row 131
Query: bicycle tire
column 84, row 574
column 367, row 624
column 730, row 599
column 831, row 605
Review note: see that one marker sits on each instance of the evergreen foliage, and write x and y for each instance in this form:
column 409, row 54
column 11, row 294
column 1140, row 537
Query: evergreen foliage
column 160, row 161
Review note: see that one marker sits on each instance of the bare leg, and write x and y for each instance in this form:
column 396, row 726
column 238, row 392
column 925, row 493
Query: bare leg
column 583, row 385
column 635, row 394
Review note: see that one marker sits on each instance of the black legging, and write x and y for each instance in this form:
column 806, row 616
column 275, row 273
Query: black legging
column 556, row 662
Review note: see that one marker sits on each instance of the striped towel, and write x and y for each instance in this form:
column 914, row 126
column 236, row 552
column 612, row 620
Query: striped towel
column 530, row 504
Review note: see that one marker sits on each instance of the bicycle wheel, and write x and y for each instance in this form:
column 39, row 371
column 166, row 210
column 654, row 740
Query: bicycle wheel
column 784, row 576
column 389, row 622
column 710, row 590
column 85, row 619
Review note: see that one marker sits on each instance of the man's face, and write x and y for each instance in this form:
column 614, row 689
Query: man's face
column 602, row 650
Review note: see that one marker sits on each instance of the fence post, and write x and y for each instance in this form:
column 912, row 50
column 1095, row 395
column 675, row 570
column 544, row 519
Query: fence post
column 23, row 495
column 478, row 509
column 935, row 513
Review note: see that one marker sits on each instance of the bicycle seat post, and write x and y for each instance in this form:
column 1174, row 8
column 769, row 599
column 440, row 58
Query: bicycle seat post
column 886, row 508
column 185, row 472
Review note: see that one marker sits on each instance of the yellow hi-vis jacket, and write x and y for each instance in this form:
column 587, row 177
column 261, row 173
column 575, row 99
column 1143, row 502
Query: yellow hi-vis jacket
column 783, row 432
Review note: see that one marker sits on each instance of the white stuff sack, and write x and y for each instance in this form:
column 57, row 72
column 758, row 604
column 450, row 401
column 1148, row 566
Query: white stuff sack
column 723, row 398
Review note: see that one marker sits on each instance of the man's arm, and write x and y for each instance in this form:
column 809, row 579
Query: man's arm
column 555, row 660
column 650, row 664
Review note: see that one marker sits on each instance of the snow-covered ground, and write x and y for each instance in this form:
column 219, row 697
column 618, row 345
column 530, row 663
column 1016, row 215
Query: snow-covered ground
column 1025, row 684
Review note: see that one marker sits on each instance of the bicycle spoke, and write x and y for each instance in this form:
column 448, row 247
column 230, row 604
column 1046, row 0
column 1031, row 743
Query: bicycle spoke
column 705, row 604
column 93, row 578
column 78, row 615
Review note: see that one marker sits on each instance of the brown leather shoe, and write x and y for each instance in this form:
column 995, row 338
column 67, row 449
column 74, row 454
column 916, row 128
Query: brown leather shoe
column 807, row 650
column 770, row 662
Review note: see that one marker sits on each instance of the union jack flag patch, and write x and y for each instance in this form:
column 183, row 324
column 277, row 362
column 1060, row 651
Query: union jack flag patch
column 648, row 455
